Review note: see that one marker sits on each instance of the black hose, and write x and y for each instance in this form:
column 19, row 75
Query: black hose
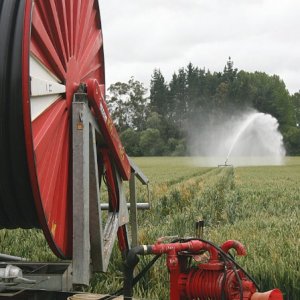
column 225, row 259
column 137, row 278
column 228, row 256
column 131, row 261
column 223, row 296
column 239, row 281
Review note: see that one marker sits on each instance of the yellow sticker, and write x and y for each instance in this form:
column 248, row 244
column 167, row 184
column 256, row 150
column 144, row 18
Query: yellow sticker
column 53, row 229
column 122, row 152
column 110, row 125
column 80, row 126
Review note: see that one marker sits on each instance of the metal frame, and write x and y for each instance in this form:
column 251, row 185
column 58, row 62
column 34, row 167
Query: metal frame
column 134, row 206
column 92, row 244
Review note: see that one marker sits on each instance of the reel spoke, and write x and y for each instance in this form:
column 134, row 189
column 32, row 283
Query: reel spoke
column 46, row 88
column 66, row 39
column 48, row 47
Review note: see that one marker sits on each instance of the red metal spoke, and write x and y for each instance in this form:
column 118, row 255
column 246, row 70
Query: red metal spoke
column 62, row 213
column 88, row 71
column 77, row 10
column 59, row 36
column 39, row 53
column 52, row 176
column 83, row 29
column 48, row 171
column 122, row 239
column 44, row 127
column 47, row 174
column 42, row 47
column 64, row 25
column 52, row 14
column 70, row 22
column 40, row 6
column 51, row 132
column 92, row 49
column 89, row 32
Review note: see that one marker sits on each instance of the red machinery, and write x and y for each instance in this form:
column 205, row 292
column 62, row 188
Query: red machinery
column 47, row 49
column 51, row 55
column 57, row 139
column 218, row 278
column 196, row 275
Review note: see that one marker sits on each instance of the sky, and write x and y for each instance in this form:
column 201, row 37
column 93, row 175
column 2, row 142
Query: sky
column 258, row 35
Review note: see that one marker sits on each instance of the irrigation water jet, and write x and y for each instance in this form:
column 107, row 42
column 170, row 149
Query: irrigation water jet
column 239, row 139
column 257, row 136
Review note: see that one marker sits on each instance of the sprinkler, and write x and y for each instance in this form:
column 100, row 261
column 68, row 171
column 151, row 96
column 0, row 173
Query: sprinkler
column 225, row 164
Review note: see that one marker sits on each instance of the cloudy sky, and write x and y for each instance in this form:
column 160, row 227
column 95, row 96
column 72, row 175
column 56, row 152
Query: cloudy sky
column 140, row 35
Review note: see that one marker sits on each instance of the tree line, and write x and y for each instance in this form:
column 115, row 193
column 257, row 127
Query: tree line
column 158, row 124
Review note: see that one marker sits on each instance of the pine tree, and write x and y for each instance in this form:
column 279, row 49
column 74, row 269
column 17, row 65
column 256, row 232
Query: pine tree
column 159, row 93
column 230, row 73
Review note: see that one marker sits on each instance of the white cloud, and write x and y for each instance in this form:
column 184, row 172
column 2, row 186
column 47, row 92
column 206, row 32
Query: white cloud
column 140, row 35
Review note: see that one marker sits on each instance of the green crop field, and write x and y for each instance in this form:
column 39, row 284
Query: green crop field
column 259, row 206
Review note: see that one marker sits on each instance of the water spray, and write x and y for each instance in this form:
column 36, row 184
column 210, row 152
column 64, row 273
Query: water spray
column 250, row 138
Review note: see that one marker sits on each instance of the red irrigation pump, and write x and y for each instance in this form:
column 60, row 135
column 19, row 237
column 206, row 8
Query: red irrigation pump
column 220, row 277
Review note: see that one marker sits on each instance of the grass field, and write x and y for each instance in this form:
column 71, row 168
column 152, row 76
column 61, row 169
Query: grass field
column 259, row 206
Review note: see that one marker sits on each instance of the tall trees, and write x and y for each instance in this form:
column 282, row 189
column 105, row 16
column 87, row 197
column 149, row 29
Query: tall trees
column 167, row 107
column 128, row 104
column 296, row 104
column 158, row 125
column 229, row 73
column 293, row 133
column 159, row 101
column 118, row 105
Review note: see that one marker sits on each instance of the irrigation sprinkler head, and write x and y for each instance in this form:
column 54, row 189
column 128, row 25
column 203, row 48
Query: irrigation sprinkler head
column 225, row 164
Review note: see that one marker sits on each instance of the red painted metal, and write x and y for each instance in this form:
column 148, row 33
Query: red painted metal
column 65, row 37
column 27, row 128
column 114, row 199
column 110, row 181
column 108, row 129
column 209, row 280
column 270, row 295
column 193, row 246
column 122, row 239
column 232, row 244
column 208, row 284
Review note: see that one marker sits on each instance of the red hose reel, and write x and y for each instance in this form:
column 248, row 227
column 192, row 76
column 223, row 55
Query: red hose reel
column 219, row 277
